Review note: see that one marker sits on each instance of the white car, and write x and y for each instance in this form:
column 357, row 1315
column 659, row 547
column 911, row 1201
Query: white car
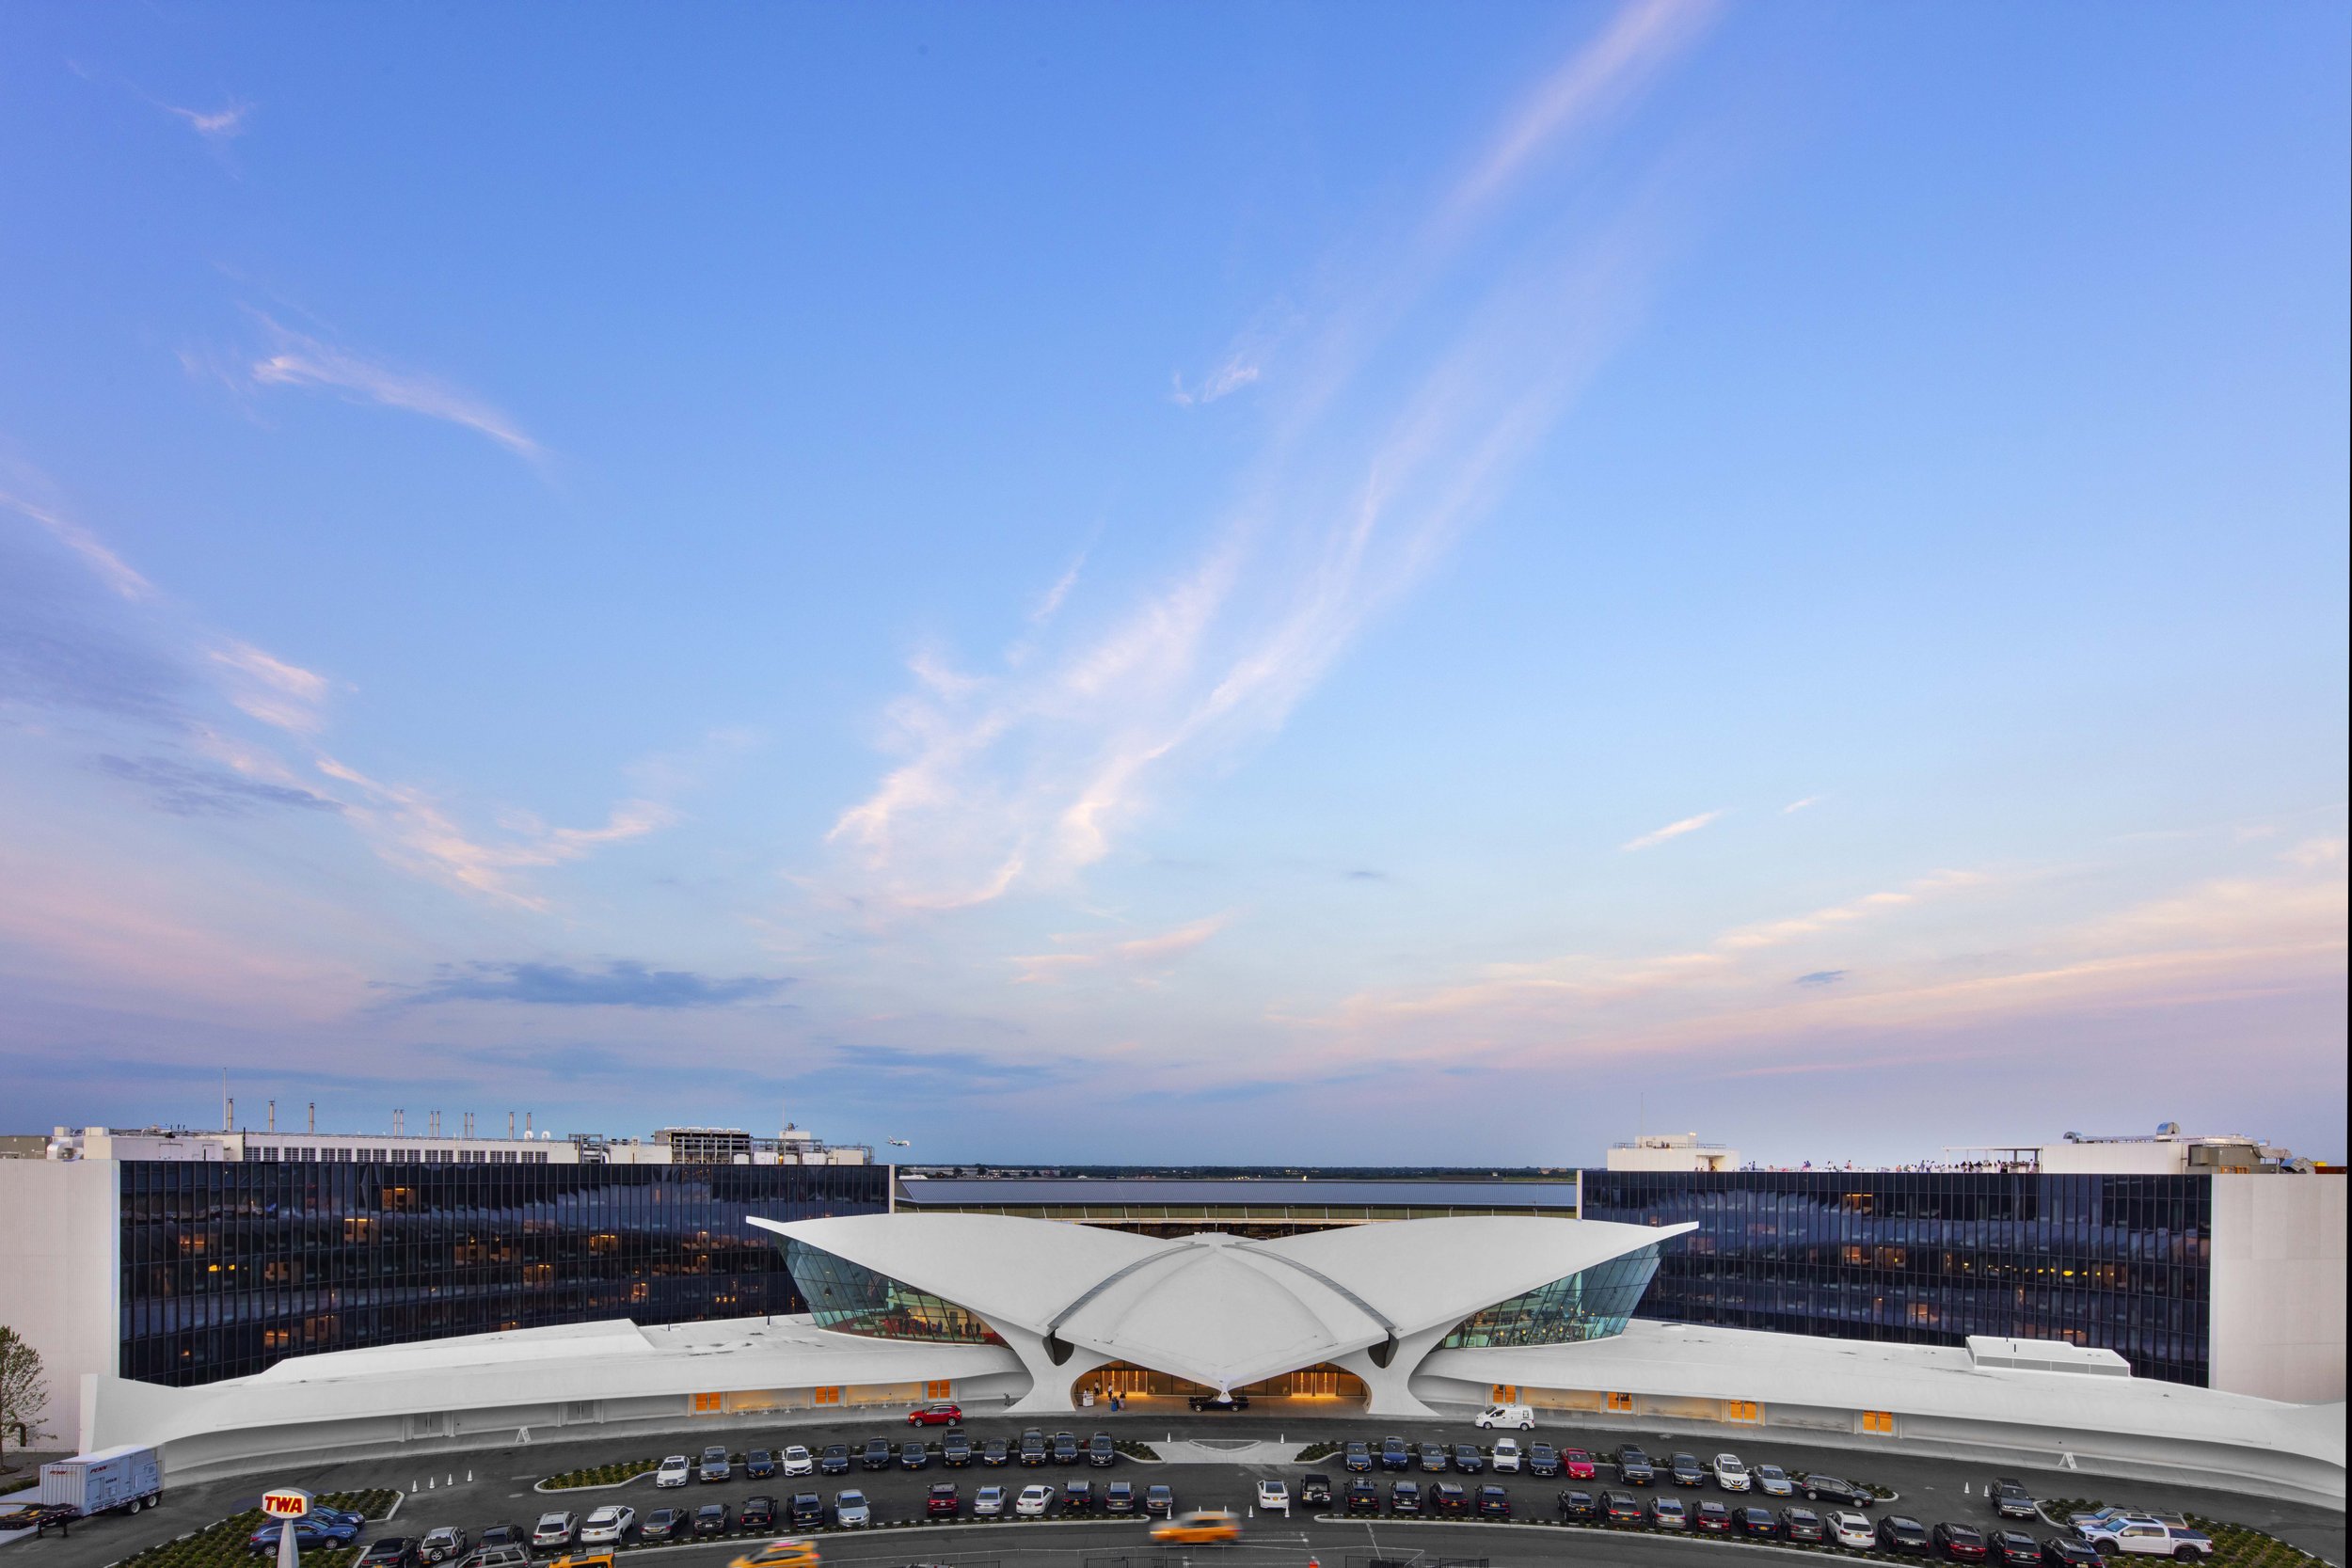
column 676, row 1470
column 1853, row 1530
column 1033, row 1501
column 798, row 1460
column 1506, row 1456
column 1730, row 1474
column 1518, row 1416
column 555, row 1530
column 989, row 1503
column 607, row 1524
column 1774, row 1481
column 849, row 1511
column 1273, row 1495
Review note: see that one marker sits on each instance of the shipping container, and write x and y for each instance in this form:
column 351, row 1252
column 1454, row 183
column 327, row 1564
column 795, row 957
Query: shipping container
column 128, row 1479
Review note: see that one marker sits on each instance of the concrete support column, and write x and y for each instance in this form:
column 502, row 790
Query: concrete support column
column 1389, row 1387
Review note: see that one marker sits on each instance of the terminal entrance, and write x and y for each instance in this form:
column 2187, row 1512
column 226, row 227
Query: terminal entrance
column 1324, row 1387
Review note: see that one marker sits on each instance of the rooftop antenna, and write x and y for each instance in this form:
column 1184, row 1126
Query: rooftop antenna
column 273, row 1116
column 314, row 1116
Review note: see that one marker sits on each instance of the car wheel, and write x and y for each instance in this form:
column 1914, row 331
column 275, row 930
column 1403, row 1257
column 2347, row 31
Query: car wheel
column 2186, row 1554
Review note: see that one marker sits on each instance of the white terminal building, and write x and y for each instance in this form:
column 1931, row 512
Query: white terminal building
column 1297, row 1294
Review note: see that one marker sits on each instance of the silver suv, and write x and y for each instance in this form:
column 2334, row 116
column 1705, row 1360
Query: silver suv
column 715, row 1466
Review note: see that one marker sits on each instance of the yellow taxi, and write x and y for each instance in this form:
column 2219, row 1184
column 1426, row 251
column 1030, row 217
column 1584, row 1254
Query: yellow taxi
column 583, row 1559
column 1200, row 1527
column 790, row 1552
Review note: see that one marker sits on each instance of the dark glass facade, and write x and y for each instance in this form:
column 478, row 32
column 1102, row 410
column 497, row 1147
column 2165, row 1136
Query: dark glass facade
column 1928, row 1258
column 850, row 1298
column 229, row 1268
column 1592, row 1303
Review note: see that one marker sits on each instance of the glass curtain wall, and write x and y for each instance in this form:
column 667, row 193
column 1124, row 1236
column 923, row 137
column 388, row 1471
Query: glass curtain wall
column 1592, row 1303
column 1928, row 1258
column 230, row 1268
column 849, row 1298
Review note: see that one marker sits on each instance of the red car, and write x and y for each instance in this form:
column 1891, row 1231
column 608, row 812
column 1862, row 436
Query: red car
column 935, row 1416
column 1576, row 1464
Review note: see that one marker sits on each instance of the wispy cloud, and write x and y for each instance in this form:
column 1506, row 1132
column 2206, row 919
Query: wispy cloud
column 297, row 360
column 1795, row 806
column 1026, row 777
column 226, row 123
column 266, row 687
column 190, row 789
column 1821, row 977
column 110, row 568
column 1223, row 382
column 621, row 983
column 1137, row 959
column 1673, row 829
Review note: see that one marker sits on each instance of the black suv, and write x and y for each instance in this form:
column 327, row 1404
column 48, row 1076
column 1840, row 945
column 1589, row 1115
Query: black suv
column 1543, row 1460
column 1449, row 1498
column 1804, row 1524
column 1077, row 1496
column 1899, row 1534
column 1214, row 1402
column 2064, row 1551
column 1405, row 1497
column 1433, row 1457
column 1622, row 1508
column 1634, row 1466
column 1394, row 1455
column 2011, row 1499
column 1363, row 1495
column 2016, row 1549
column 1493, row 1503
column 914, row 1454
column 758, row 1514
column 955, row 1450
column 1065, row 1448
column 1578, row 1508
column 1033, row 1446
column 1119, row 1498
column 1314, row 1491
column 1469, row 1458
column 1357, row 1459
column 808, row 1511
column 876, row 1454
column 1100, row 1451
column 995, row 1450
column 834, row 1461
column 1960, row 1543
column 1687, row 1470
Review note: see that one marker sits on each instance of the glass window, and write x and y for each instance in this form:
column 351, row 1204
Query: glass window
column 1593, row 1304
column 851, row 1299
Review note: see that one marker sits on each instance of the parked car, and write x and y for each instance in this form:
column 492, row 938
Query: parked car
column 834, row 1461
column 1899, row 1534
column 1518, row 1418
column 1853, row 1530
column 1356, row 1459
column 989, row 1503
column 1101, row 1452
column 1762, row 1524
column 1405, row 1497
column 2114, row 1530
column 1219, row 1401
column 1431, row 1457
column 556, row 1530
column 1119, row 1498
column 1803, row 1525
column 1634, row 1466
column 506, row 1535
column 1621, row 1508
column 1577, row 1464
column 1066, row 1448
column 1033, row 1446
column 914, row 1454
column 676, row 1470
column 1579, row 1508
column 876, row 1455
column 758, row 1465
column 443, row 1543
column 944, row 1501
column 712, row 1519
column 1273, row 1494
column 390, row 1551
column 1448, row 1499
column 1710, row 1516
column 715, row 1466
column 1687, row 1470
column 1493, row 1503
column 851, row 1511
column 1507, row 1457
column 2064, row 1551
column 662, row 1523
column 1033, row 1501
column 1960, row 1543
column 1773, row 1481
column 1394, row 1455
column 1077, row 1496
column 608, row 1526
column 1314, row 1491
column 1201, row 1528
column 1159, row 1502
column 994, row 1451
column 496, row 1556
column 1363, row 1495
column 2011, row 1499
column 1832, row 1489
column 798, row 1460
column 759, row 1513
column 1543, row 1460
column 2014, row 1548
column 1730, row 1474
column 806, row 1511
column 955, row 1450
column 1668, row 1513
column 1469, row 1458
column 939, row 1414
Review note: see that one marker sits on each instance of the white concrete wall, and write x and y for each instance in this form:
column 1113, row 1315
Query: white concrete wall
column 61, row 1237
column 2278, row 1287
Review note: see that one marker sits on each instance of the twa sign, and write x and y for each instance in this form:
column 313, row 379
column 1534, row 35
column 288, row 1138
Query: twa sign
column 286, row 1503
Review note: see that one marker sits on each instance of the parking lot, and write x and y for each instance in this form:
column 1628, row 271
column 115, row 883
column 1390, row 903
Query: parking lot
column 481, row 1489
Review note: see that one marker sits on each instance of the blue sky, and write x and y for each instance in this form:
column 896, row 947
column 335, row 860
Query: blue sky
column 1353, row 583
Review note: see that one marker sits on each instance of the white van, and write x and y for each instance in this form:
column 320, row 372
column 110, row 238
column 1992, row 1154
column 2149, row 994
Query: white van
column 1519, row 1418
column 1506, row 1456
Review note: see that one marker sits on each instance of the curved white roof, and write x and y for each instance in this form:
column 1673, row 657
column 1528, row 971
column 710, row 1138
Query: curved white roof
column 1214, row 1308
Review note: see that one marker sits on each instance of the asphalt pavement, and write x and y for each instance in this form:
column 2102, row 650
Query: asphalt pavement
column 495, row 1486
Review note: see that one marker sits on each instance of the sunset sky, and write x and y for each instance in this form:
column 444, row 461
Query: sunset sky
column 1371, row 583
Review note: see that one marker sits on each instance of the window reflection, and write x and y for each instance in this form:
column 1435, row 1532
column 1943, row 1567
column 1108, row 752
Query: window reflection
column 1593, row 1304
column 851, row 1299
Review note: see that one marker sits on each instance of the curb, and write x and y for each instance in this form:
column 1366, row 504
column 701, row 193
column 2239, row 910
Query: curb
column 542, row 1485
column 1827, row 1548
